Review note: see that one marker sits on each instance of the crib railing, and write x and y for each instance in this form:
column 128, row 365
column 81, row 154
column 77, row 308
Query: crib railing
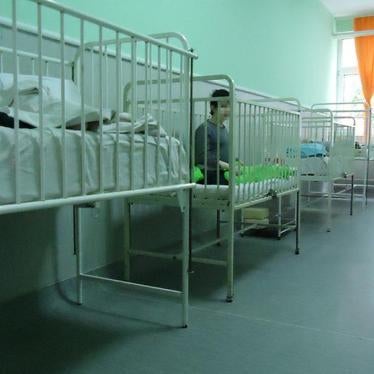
column 263, row 144
column 106, row 58
column 336, row 133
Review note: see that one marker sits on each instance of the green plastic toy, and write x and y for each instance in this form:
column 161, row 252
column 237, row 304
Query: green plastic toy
column 197, row 174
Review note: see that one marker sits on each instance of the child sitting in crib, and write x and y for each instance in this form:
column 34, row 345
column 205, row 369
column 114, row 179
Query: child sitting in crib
column 219, row 112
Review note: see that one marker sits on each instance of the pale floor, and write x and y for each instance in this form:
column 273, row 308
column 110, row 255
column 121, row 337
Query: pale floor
column 312, row 313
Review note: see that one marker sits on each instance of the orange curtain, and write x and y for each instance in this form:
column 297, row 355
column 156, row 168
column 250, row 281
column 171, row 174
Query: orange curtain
column 365, row 55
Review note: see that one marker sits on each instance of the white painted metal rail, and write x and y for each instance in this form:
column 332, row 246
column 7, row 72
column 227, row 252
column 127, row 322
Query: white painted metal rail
column 92, row 150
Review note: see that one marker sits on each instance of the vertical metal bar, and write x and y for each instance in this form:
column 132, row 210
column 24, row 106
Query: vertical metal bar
column 352, row 189
column 253, row 147
column 205, row 143
column 145, row 148
column 266, row 150
column 159, row 115
column 118, row 107
column 83, row 112
column 263, row 160
column 218, row 152
column 63, row 119
column 188, row 119
column 133, row 110
column 259, row 147
column 248, row 161
column 240, row 154
column 180, row 119
column 231, row 205
column 151, row 80
column 329, row 201
column 272, row 143
column 127, row 238
column 40, row 96
column 16, row 103
column 230, row 255
column 92, row 81
column 78, row 252
column 244, row 159
column 106, row 76
column 263, row 129
column 168, row 95
column 185, row 257
column 2, row 62
column 283, row 125
column 279, row 216
column 297, row 249
column 279, row 130
column 101, row 102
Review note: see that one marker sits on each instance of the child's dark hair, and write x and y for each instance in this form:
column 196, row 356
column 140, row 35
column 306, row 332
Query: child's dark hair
column 218, row 93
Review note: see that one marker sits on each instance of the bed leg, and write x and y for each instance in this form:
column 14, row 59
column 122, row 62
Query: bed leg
column 78, row 252
column 127, row 238
column 329, row 202
column 218, row 226
column 185, row 257
column 352, row 194
column 297, row 248
column 230, row 256
column 279, row 217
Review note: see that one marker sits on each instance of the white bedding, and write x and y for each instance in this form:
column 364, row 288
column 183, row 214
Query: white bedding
column 30, row 174
column 28, row 95
column 244, row 192
column 316, row 166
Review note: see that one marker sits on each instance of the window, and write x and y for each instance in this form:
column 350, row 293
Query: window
column 349, row 87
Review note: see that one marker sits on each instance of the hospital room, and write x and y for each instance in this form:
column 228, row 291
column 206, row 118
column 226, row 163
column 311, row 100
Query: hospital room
column 187, row 187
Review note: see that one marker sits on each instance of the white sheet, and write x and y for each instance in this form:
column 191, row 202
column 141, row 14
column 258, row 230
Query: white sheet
column 30, row 173
column 316, row 166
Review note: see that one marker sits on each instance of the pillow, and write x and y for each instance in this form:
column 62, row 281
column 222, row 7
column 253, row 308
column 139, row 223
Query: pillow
column 28, row 90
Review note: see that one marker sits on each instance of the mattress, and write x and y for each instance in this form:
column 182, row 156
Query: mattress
column 245, row 192
column 170, row 153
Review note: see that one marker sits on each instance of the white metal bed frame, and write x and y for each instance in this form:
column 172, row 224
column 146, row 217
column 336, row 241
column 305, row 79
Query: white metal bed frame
column 264, row 117
column 152, row 66
column 320, row 124
column 350, row 109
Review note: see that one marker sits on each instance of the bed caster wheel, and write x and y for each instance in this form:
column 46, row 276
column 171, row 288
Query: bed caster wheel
column 328, row 230
column 279, row 238
column 229, row 299
column 297, row 251
column 184, row 326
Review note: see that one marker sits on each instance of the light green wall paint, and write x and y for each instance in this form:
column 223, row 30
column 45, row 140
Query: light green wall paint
column 279, row 47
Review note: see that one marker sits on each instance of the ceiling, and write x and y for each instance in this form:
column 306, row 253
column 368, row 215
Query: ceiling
column 346, row 8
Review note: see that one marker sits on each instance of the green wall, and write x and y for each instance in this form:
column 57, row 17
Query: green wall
column 278, row 47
